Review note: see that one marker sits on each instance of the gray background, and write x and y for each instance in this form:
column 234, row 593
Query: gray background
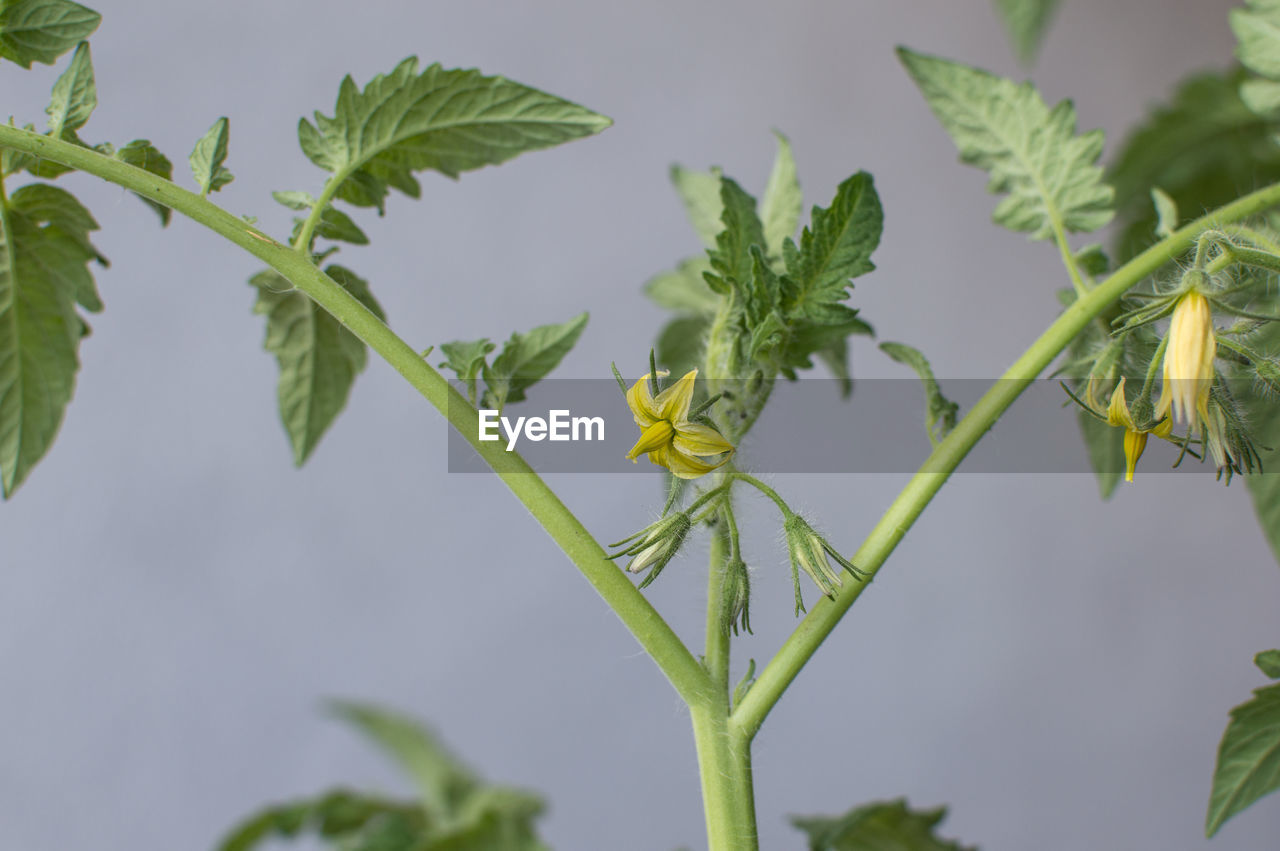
column 176, row 600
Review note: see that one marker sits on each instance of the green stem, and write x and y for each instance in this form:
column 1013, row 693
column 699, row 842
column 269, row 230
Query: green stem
column 716, row 658
column 1068, row 259
column 644, row 622
column 924, row 485
column 724, row 763
column 764, row 489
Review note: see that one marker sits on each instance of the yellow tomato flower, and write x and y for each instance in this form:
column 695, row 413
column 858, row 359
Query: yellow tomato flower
column 1188, row 361
column 1135, row 439
column 668, row 437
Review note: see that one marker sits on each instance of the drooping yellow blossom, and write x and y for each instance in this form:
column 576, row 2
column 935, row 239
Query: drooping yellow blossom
column 668, row 437
column 1188, row 361
column 1135, row 439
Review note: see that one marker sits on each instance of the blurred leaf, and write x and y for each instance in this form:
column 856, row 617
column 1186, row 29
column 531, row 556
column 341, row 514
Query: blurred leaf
column 1204, row 148
column 42, row 30
column 699, row 191
column 1027, row 22
column 1268, row 661
column 527, row 358
column 1031, row 152
column 884, row 826
column 684, row 289
column 1257, row 30
column 336, row 814
column 467, row 359
column 74, row 95
column 1166, row 212
column 334, row 224
column 782, row 201
column 940, row 413
column 448, row 121
column 1248, row 758
column 208, row 156
column 1105, row 445
column 318, row 358
column 835, row 247
column 294, row 200
column 681, row 343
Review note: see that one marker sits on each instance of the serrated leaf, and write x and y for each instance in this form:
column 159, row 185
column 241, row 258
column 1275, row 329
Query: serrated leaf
column 1204, row 148
column 834, row 248
column 75, row 95
column 1257, row 30
column 467, row 360
column 732, row 262
column 335, row 815
column 294, row 200
column 782, row 201
column 882, row 826
column 1268, row 661
column 318, row 358
column 42, row 30
column 699, row 191
column 1027, row 22
column 527, row 358
column 684, row 289
column 44, row 252
column 940, row 413
column 1248, row 758
column 806, row 339
column 334, row 224
column 144, row 155
column 449, row 121
column 208, row 156
column 1030, row 151
column 441, row 780
column 681, row 344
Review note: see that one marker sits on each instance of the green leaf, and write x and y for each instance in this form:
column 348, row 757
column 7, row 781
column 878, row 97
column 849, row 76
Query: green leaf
column 1248, row 757
column 441, row 780
column 1030, row 152
column 699, row 191
column 1257, row 30
column 338, row 814
column 684, row 289
column 467, row 359
column 208, row 155
column 449, row 121
column 781, row 203
column 527, row 358
column 318, row 358
column 334, row 224
column 805, row 339
column 882, row 826
column 1268, row 661
column 295, row 200
column 142, row 154
column 1166, row 212
column 835, row 247
column 1204, row 148
column 940, row 413
column 42, row 30
column 44, row 253
column 1105, row 445
column 680, row 345
column 732, row 263
column 1027, row 21
column 74, row 95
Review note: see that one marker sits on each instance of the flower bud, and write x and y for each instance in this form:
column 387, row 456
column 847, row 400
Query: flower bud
column 655, row 545
column 736, row 591
column 809, row 552
column 1188, row 360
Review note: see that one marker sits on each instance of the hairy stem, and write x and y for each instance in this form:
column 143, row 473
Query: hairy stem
column 924, row 485
column 644, row 622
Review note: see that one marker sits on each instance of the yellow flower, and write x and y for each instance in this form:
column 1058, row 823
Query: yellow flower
column 668, row 437
column 1135, row 439
column 1188, row 361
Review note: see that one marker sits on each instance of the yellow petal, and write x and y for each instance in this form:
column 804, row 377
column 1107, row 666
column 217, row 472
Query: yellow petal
column 1118, row 411
column 1134, row 444
column 640, row 401
column 673, row 403
column 698, row 439
column 654, row 437
column 683, row 466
